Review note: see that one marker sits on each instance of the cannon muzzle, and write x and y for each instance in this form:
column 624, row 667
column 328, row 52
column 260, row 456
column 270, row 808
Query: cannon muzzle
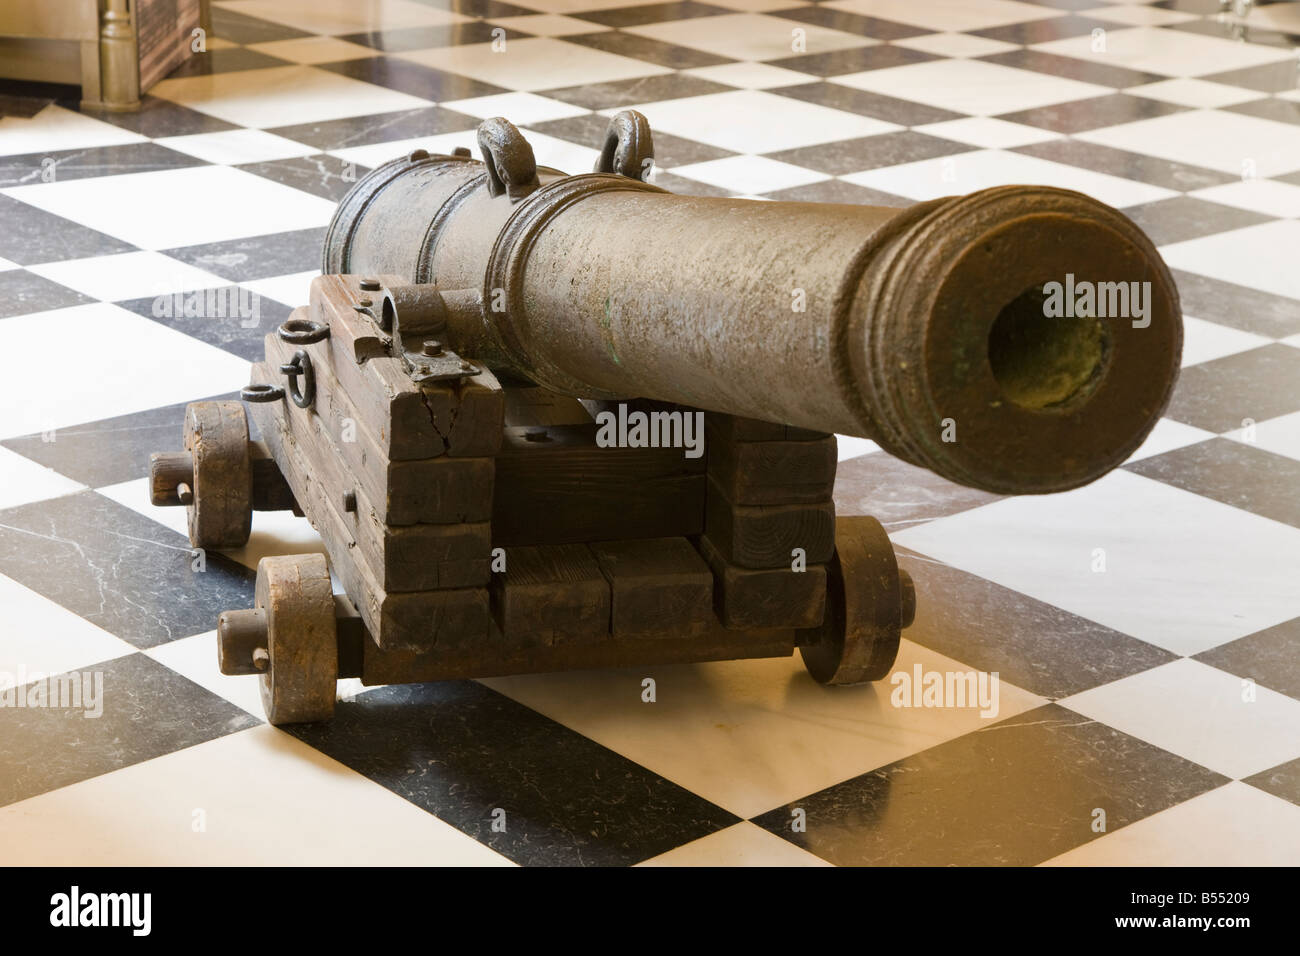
column 1019, row 339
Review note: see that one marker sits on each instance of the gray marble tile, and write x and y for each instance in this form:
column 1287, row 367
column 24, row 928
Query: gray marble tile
column 869, row 152
column 899, row 495
column 1132, row 166
column 69, row 164
column 1272, row 108
column 257, row 257
column 157, row 118
column 112, row 450
column 847, row 22
column 876, row 105
column 462, row 751
column 1269, row 78
column 1031, row 644
column 1015, row 793
column 852, row 60
column 1183, row 217
column 1271, row 658
column 401, row 39
column 131, row 576
column 225, row 60
column 648, row 49
column 379, row 128
column 639, row 16
column 1281, row 781
column 1218, row 396
column 31, row 236
column 617, row 94
column 837, row 190
column 320, row 175
column 147, row 711
column 411, row 78
column 240, row 28
column 589, row 130
column 1079, row 115
column 1073, row 68
column 1043, row 31
column 238, row 332
column 22, row 292
column 1238, row 306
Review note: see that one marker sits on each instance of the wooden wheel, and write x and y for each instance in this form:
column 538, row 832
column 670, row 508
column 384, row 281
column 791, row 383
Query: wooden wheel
column 220, row 511
column 868, row 603
column 299, row 679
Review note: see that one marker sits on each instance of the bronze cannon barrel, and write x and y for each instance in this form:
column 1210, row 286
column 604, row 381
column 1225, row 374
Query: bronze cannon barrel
column 953, row 332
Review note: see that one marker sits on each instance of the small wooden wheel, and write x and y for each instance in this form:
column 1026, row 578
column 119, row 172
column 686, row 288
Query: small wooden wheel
column 868, row 603
column 221, row 509
column 299, row 680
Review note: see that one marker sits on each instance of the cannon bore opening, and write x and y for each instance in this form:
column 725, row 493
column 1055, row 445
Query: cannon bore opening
column 1045, row 362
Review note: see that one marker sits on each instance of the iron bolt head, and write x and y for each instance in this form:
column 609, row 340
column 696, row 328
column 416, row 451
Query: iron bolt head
column 370, row 285
column 432, row 347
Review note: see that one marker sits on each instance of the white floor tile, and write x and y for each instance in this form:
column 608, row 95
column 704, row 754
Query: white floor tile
column 971, row 86
column 1198, row 94
column 129, row 275
column 1198, row 712
column 847, row 446
column 195, row 658
column 1262, row 257
column 138, row 364
column 23, row 481
column 750, row 36
column 967, row 172
column 954, row 44
column 1233, row 825
column 303, row 94
column 1168, row 52
column 263, row 798
column 1138, row 15
column 376, row 154
column 519, row 108
column 749, row 174
column 1168, row 435
column 1279, row 435
column 963, row 15
column 54, row 129
column 752, row 735
column 740, row 845
column 988, row 133
column 345, row 16
column 1227, row 142
column 548, row 24
column 1267, row 196
column 291, row 290
column 752, row 121
column 40, row 638
column 1204, row 341
column 1182, row 572
column 752, row 76
column 181, row 207
column 534, row 63
column 234, row 146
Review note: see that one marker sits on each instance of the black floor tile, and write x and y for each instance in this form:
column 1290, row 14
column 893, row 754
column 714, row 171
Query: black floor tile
column 462, row 751
column 320, row 175
column 650, row 13
column 647, row 49
column 228, row 60
column 836, row 190
column 379, row 128
column 157, row 118
column 1272, row 108
column 1073, row 68
column 853, row 60
column 22, row 292
column 147, row 711
column 1281, row 781
column 1268, row 657
column 1015, row 793
column 118, row 569
column 899, row 495
column 257, row 257
column 1220, row 395
column 1033, row 645
column 31, row 235
column 1233, row 472
column 112, row 450
column 402, row 39
column 69, row 164
column 1183, row 217
column 232, row 318
column 1269, row 78
column 646, row 89
column 854, row 23
column 239, row 28
column 1044, row 31
column 1132, row 166
column 876, row 105
column 412, row 79
column 1080, row 115
column 589, row 130
column 1238, row 306
column 869, row 152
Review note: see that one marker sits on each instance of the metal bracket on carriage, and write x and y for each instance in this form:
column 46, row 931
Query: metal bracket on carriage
column 416, row 317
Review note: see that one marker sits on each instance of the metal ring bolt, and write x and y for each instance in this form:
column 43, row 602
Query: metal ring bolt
column 300, row 365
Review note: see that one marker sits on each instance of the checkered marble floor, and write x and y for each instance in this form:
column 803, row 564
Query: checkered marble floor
column 1146, row 628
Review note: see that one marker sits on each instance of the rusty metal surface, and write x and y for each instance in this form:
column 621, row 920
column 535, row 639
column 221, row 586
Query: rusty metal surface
column 912, row 327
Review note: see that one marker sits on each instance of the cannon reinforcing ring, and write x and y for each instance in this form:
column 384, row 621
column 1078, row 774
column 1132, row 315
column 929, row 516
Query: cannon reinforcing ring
column 301, row 365
column 261, row 393
column 303, row 331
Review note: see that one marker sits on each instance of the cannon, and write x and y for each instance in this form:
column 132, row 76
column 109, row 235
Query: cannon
column 545, row 422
